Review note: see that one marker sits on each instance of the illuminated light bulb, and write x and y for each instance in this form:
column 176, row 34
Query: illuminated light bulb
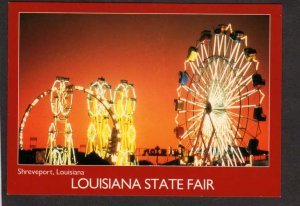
column 114, row 158
column 106, row 104
column 35, row 102
column 117, row 126
column 79, row 88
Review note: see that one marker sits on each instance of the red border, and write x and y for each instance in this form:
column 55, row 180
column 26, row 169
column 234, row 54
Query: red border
column 228, row 181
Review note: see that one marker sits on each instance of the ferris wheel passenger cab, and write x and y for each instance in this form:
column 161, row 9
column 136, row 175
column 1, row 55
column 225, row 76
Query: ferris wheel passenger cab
column 101, row 79
column 179, row 132
column 221, row 29
column 258, row 114
column 123, row 81
column 178, row 104
column 236, row 36
column 257, row 80
column 205, row 36
column 252, row 146
column 250, row 54
column 192, row 54
column 183, row 77
column 63, row 78
column 70, row 89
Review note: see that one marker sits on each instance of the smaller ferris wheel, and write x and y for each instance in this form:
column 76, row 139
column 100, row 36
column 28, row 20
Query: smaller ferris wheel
column 101, row 131
column 124, row 108
column 100, row 128
column 60, row 148
column 61, row 98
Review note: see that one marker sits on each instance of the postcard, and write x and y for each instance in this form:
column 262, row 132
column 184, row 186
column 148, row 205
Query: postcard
column 144, row 99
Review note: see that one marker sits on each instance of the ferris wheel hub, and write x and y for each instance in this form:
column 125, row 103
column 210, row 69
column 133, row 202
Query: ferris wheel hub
column 208, row 108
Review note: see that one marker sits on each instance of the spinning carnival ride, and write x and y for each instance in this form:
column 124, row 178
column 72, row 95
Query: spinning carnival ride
column 124, row 108
column 219, row 98
column 101, row 113
column 99, row 130
column 123, row 102
column 61, row 105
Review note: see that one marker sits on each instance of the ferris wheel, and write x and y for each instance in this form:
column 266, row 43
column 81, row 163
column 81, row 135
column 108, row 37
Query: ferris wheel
column 124, row 108
column 99, row 130
column 60, row 147
column 61, row 104
column 219, row 104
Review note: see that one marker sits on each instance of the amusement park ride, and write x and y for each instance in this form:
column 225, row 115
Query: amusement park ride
column 111, row 133
column 219, row 108
column 219, row 99
column 99, row 132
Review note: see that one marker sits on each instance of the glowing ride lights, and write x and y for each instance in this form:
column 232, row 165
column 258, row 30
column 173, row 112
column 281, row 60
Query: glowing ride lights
column 113, row 142
column 219, row 99
column 26, row 115
column 124, row 100
column 99, row 130
column 61, row 105
column 102, row 138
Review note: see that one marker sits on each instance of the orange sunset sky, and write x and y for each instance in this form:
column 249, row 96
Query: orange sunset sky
column 147, row 50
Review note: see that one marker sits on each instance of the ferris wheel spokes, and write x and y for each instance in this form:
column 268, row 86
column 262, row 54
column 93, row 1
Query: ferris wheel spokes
column 215, row 96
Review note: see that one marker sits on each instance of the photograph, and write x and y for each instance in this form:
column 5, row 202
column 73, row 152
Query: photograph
column 125, row 99
column 144, row 89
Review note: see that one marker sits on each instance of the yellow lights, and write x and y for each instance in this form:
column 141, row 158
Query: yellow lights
column 89, row 91
column 99, row 131
column 35, row 102
column 61, row 99
column 120, row 99
column 80, row 88
column 91, row 134
column 117, row 141
column 107, row 125
column 26, row 115
column 218, row 98
column 52, row 128
column 118, row 126
column 106, row 104
column 51, row 142
column 114, row 158
column 106, row 133
column 124, row 100
column 131, row 135
column 119, row 108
